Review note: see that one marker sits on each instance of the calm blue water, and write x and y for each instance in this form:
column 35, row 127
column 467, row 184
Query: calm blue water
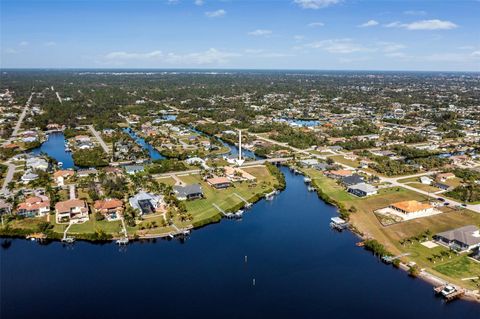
column 302, row 269
column 233, row 148
column 152, row 152
column 54, row 146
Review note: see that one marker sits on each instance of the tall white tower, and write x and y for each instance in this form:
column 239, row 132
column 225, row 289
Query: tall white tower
column 240, row 160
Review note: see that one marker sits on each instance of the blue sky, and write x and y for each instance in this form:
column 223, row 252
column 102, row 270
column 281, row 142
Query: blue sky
column 272, row 34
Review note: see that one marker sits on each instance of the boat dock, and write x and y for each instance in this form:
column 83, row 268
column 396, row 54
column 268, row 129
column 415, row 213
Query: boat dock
column 68, row 239
column 238, row 214
column 338, row 223
column 390, row 259
column 449, row 292
column 270, row 195
column 247, row 204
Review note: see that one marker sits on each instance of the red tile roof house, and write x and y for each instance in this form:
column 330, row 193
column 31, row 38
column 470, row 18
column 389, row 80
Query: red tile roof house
column 61, row 176
column 34, row 206
column 339, row 173
column 219, row 182
column 112, row 208
column 72, row 210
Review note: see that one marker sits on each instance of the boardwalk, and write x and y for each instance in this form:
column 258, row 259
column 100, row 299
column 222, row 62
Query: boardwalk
column 99, row 139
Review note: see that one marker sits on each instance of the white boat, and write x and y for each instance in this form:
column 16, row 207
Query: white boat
column 448, row 290
column 60, row 164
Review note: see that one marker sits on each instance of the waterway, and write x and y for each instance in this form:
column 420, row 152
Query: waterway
column 54, row 147
column 152, row 151
column 281, row 260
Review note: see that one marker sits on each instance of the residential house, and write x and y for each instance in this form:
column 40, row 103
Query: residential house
column 188, row 192
column 219, row 182
column 62, row 175
column 72, row 210
column 464, row 238
column 111, row 208
column 5, row 208
column 412, row 208
column 338, row 174
column 443, row 177
column 147, row 203
column 133, row 169
column 34, row 206
column 352, row 180
column 362, row 189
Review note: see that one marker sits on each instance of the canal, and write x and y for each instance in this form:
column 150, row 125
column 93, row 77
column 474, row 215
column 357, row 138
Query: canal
column 281, row 260
column 54, row 147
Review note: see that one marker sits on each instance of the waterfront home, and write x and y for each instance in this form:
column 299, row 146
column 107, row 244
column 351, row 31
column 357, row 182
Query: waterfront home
column 5, row 208
column 36, row 163
column 362, row 190
column 72, row 210
column 308, row 162
column 62, row 175
column 219, row 182
column 321, row 166
column 338, row 174
column 111, row 208
column 34, row 206
column 28, row 176
column 147, row 203
column 133, row 169
column 87, row 172
column 442, row 186
column 411, row 207
column 188, row 192
column 461, row 239
column 351, row 180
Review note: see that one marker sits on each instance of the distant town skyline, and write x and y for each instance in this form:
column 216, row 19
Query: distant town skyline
column 291, row 34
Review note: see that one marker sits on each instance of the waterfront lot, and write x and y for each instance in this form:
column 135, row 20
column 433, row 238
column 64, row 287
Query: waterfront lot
column 202, row 209
column 452, row 268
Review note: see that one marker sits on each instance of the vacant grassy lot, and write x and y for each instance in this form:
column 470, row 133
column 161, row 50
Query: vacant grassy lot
column 225, row 198
column 451, row 268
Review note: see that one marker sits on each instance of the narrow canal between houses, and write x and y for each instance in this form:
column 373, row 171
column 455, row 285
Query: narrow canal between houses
column 301, row 268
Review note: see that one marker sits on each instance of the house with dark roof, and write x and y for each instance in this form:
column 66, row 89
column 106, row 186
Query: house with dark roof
column 188, row 192
column 362, row 190
column 465, row 238
column 352, row 180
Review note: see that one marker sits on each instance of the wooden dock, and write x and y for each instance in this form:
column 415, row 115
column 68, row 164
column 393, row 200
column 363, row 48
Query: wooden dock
column 458, row 293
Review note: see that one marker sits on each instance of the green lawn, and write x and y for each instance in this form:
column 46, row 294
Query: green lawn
column 458, row 268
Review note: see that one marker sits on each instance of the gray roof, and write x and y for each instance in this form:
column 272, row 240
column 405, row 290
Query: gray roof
column 462, row 235
column 364, row 187
column 352, row 180
column 184, row 191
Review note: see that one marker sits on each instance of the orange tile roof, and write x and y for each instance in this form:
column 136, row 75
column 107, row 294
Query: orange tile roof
column 218, row 180
column 411, row 206
column 108, row 204
column 341, row 172
column 69, row 204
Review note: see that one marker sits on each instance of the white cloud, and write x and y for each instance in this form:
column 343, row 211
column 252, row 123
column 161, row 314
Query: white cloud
column 216, row 14
column 340, row 46
column 260, row 33
column 316, row 24
column 390, row 46
column 210, row 57
column 23, row 44
column 316, row 4
column 369, row 23
column 415, row 12
column 50, row 44
column 475, row 54
column 199, row 2
column 11, row 51
column 433, row 24
column 298, row 37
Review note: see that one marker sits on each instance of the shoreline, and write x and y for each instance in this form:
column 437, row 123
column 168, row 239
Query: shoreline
column 427, row 277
